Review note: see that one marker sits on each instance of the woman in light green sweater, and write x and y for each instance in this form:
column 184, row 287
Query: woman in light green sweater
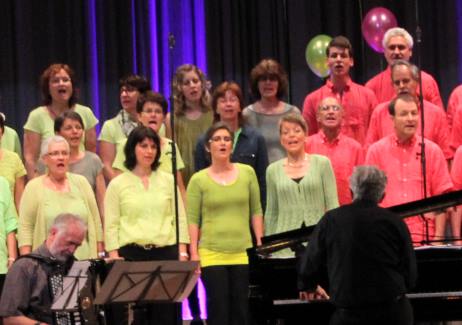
column 300, row 187
column 222, row 200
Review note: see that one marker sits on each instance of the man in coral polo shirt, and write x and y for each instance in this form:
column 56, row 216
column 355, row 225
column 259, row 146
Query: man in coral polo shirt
column 343, row 152
column 399, row 156
column 358, row 102
column 405, row 80
column 397, row 44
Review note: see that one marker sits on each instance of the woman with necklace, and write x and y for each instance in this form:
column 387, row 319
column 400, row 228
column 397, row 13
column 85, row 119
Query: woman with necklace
column 57, row 84
column 116, row 130
column 193, row 115
column 268, row 84
column 56, row 192
column 300, row 187
column 223, row 200
column 140, row 213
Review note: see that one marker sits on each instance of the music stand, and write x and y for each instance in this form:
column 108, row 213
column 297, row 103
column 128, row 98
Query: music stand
column 148, row 281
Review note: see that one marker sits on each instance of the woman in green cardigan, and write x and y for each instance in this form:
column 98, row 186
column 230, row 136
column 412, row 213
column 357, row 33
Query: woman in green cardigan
column 300, row 187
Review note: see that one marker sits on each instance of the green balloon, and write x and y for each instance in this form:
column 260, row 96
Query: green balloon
column 315, row 55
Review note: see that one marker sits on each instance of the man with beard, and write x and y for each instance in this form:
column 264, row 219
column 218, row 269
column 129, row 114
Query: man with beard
column 405, row 80
column 26, row 298
column 397, row 44
column 358, row 102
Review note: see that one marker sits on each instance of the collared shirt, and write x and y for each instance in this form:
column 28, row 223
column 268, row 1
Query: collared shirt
column 26, row 291
column 456, row 169
column 344, row 154
column 382, row 86
column 367, row 252
column 456, row 131
column 454, row 101
column 436, row 126
column 358, row 103
column 401, row 162
column 250, row 149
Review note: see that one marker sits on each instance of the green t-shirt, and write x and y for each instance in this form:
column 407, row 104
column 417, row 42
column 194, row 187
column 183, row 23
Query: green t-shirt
column 224, row 211
column 10, row 141
column 11, row 167
column 40, row 121
column 8, row 221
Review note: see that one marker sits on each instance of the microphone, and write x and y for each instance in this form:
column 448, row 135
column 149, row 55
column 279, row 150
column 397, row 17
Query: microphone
column 171, row 41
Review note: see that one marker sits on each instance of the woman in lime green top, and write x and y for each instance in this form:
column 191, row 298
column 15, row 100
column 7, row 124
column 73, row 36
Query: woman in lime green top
column 301, row 187
column 56, row 192
column 57, row 85
column 222, row 200
column 193, row 113
column 12, row 168
column 139, row 206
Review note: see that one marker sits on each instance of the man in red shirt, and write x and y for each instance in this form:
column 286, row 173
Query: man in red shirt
column 358, row 102
column 399, row 156
column 343, row 152
column 405, row 80
column 397, row 44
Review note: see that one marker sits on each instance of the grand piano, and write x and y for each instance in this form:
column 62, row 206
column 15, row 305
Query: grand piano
column 273, row 290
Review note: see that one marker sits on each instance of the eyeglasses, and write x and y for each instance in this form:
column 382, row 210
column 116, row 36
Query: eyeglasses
column 63, row 153
column 217, row 138
column 153, row 111
column 57, row 80
column 325, row 108
column 270, row 77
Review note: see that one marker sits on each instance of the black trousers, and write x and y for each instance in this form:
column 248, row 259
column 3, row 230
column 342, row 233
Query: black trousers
column 147, row 314
column 398, row 312
column 227, row 291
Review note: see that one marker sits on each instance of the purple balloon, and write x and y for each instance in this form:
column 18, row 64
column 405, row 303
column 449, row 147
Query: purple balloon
column 376, row 22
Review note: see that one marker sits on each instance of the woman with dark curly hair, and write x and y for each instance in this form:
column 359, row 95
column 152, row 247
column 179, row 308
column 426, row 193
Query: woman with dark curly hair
column 57, row 84
column 193, row 114
column 268, row 84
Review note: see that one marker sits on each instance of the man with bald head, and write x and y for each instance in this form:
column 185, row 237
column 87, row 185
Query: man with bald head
column 343, row 152
column 358, row 102
column 397, row 44
column 405, row 80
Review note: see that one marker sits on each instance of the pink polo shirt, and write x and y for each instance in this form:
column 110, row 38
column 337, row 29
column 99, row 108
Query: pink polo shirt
column 358, row 103
column 382, row 86
column 454, row 101
column 436, row 126
column 456, row 132
column 344, row 154
column 456, row 169
column 402, row 165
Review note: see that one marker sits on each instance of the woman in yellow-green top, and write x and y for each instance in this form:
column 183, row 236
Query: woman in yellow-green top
column 222, row 200
column 140, row 213
column 193, row 113
column 54, row 193
column 12, row 168
column 57, row 85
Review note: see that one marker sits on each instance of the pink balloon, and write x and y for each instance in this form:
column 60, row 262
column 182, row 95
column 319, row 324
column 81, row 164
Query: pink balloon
column 376, row 22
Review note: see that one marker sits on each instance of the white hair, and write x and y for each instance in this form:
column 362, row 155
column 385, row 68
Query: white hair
column 65, row 220
column 397, row 31
column 368, row 183
column 47, row 142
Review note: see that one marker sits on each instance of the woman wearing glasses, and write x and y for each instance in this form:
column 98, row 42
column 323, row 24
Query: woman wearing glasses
column 268, row 83
column 222, row 200
column 56, row 192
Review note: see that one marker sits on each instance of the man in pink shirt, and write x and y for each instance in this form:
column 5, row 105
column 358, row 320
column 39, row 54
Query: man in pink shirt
column 397, row 44
column 344, row 152
column 455, row 117
column 405, row 80
column 399, row 155
column 358, row 102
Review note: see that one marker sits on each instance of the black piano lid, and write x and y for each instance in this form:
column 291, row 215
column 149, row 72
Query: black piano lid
column 286, row 239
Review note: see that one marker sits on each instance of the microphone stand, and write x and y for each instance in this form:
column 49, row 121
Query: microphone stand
column 171, row 47
column 423, row 160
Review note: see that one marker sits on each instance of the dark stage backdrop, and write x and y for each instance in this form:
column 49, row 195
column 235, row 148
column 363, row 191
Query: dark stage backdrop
column 241, row 32
column 106, row 39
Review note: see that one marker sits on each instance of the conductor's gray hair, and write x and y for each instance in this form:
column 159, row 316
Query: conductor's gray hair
column 368, row 183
